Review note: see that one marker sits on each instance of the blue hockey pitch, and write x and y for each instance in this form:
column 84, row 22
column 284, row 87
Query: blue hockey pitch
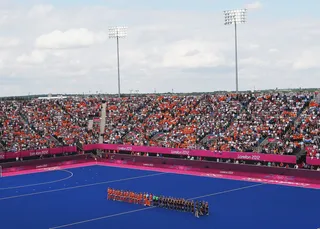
column 76, row 199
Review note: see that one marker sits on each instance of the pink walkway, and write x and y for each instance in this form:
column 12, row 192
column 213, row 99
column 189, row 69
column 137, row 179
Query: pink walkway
column 278, row 180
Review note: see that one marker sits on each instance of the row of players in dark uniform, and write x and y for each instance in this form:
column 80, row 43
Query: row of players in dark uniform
column 198, row 208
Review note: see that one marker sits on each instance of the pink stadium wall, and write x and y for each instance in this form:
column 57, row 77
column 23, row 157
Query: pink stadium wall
column 214, row 167
column 161, row 150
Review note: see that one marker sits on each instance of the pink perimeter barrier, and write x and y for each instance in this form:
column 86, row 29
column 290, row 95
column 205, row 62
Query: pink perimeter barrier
column 252, row 171
column 259, row 178
column 271, row 175
column 38, row 152
column 196, row 153
column 24, row 167
column 161, row 150
column 313, row 161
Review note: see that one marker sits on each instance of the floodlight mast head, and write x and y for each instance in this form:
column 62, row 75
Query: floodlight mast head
column 118, row 32
column 235, row 16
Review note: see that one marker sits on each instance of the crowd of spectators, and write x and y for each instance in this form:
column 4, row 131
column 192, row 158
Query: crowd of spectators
column 52, row 122
column 122, row 117
column 306, row 131
column 267, row 117
column 277, row 123
column 15, row 133
column 161, row 118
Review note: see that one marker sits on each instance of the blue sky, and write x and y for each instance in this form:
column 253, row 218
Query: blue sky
column 272, row 8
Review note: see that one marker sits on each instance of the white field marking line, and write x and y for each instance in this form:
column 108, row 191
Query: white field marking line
column 37, row 184
column 50, row 169
column 147, row 208
column 227, row 191
column 41, row 170
column 79, row 186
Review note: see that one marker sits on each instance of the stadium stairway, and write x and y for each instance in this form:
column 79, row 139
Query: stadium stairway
column 180, row 121
column 295, row 123
column 102, row 121
column 156, row 136
column 40, row 133
column 262, row 144
column 208, row 136
column 301, row 156
column 1, row 145
column 203, row 139
column 127, row 132
column 71, row 115
column 25, row 121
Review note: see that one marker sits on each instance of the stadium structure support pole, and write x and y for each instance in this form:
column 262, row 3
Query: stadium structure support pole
column 235, row 17
column 117, row 33
column 118, row 60
column 236, row 55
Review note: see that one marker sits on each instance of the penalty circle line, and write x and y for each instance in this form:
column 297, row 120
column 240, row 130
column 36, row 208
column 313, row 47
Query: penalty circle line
column 79, row 186
column 37, row 184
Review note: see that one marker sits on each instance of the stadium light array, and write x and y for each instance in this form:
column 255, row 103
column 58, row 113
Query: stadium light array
column 116, row 33
column 235, row 17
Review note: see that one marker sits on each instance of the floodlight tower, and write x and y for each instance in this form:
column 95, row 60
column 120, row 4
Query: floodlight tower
column 235, row 17
column 118, row 32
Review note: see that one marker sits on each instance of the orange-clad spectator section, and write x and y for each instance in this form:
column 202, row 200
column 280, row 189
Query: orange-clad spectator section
column 268, row 122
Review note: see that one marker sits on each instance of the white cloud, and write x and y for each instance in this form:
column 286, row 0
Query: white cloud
column 40, row 10
column 253, row 62
column 184, row 51
column 273, row 50
column 308, row 59
column 3, row 17
column 254, row 46
column 36, row 57
column 73, row 38
column 6, row 42
column 205, row 54
column 254, row 6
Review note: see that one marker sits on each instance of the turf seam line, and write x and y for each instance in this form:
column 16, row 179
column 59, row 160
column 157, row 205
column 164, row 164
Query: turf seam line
column 80, row 186
column 147, row 208
column 37, row 184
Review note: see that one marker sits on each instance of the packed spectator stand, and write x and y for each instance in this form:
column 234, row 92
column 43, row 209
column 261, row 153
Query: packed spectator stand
column 265, row 122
